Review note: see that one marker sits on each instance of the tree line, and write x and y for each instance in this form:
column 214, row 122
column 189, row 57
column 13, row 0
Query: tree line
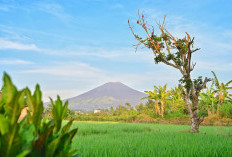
column 164, row 104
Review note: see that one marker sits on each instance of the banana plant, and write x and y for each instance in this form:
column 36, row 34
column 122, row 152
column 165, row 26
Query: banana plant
column 208, row 99
column 161, row 95
column 177, row 100
column 153, row 95
column 222, row 91
column 32, row 136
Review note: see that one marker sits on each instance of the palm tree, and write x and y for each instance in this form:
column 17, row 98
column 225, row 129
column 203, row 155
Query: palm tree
column 222, row 91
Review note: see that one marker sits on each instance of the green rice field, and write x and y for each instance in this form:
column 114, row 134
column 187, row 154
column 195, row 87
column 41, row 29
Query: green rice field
column 145, row 140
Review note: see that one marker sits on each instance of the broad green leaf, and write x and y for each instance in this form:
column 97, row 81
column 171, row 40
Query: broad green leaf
column 4, row 125
column 11, row 142
column 24, row 153
column 13, row 109
column 26, row 132
column 52, row 146
column 216, row 80
column 58, row 112
column 64, row 110
column 35, row 107
column 229, row 82
column 40, row 143
column 8, row 90
column 66, row 128
column 72, row 134
column 30, row 137
column 37, row 95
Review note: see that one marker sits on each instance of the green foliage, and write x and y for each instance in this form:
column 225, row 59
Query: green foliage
column 222, row 89
column 35, row 105
column 70, row 114
column 216, row 98
column 32, row 136
column 175, row 107
column 58, row 112
column 172, row 114
column 177, row 102
column 166, row 99
column 159, row 58
column 226, row 110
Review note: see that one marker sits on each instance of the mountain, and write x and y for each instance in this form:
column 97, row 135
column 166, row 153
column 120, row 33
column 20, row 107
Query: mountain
column 105, row 96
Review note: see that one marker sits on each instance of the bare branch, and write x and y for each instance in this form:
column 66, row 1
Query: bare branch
column 204, row 83
column 193, row 65
column 195, row 50
column 188, row 37
column 170, row 64
column 172, row 37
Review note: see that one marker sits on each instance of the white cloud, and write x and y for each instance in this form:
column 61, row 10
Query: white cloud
column 228, row 34
column 64, row 94
column 117, row 6
column 214, row 66
column 68, row 69
column 141, row 82
column 6, row 44
column 84, row 77
column 56, row 10
column 14, row 62
column 72, row 51
column 85, row 51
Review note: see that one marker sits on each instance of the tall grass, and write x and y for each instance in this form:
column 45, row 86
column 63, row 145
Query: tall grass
column 123, row 139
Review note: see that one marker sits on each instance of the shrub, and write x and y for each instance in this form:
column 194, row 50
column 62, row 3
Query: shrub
column 175, row 114
column 32, row 136
column 226, row 110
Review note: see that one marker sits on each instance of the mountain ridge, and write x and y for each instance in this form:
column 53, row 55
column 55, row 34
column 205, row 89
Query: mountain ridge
column 105, row 96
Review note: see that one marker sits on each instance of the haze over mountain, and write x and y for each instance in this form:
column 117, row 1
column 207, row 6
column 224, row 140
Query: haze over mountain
column 105, row 96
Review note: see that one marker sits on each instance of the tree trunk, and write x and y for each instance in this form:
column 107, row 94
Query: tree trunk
column 157, row 108
column 195, row 123
column 220, row 102
column 162, row 108
column 193, row 112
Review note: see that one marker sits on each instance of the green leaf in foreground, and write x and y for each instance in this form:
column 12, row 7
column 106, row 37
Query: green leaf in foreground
column 32, row 136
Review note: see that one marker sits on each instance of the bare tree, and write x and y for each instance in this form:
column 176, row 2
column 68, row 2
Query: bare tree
column 176, row 53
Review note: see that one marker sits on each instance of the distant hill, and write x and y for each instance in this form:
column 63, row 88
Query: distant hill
column 105, row 96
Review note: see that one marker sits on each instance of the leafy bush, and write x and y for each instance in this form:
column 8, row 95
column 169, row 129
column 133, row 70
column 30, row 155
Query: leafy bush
column 32, row 136
column 226, row 110
column 175, row 114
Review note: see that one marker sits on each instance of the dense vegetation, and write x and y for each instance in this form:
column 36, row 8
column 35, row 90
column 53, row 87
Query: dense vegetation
column 163, row 104
column 32, row 135
column 133, row 139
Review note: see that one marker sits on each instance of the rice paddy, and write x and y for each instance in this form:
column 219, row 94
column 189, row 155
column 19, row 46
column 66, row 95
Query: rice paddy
column 136, row 139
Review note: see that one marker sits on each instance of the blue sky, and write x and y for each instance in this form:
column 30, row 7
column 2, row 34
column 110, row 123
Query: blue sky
column 72, row 46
